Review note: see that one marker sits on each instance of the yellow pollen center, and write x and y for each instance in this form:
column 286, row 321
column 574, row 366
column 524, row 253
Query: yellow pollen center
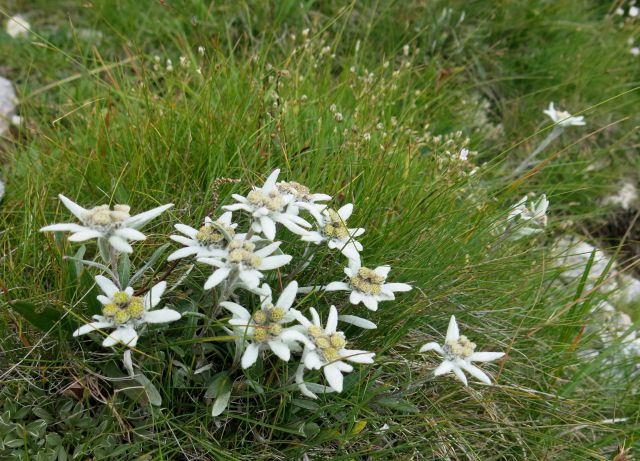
column 335, row 227
column 124, row 307
column 462, row 348
column 367, row 281
column 273, row 201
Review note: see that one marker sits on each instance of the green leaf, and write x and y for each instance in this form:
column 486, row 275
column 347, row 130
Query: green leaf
column 43, row 319
column 217, row 385
column 152, row 392
column 124, row 269
column 154, row 257
column 398, row 404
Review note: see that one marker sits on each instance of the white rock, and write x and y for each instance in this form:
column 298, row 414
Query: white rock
column 17, row 26
column 625, row 198
column 8, row 103
column 573, row 255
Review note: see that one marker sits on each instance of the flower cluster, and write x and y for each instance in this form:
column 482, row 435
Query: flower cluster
column 123, row 310
column 283, row 326
column 240, row 261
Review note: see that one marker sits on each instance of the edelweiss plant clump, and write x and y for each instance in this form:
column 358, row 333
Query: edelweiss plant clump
column 244, row 265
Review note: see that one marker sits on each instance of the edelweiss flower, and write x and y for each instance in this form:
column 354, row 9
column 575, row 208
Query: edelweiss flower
column 563, row 118
column 100, row 222
column 332, row 228
column 267, row 207
column 368, row 285
column 17, row 26
column 211, row 236
column 325, row 348
column 530, row 219
column 298, row 196
column 125, row 312
column 242, row 257
column 458, row 353
column 264, row 327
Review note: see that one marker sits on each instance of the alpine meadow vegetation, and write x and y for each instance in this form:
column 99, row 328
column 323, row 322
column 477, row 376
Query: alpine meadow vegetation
column 319, row 230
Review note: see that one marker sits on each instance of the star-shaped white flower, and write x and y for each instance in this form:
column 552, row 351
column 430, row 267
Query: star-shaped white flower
column 459, row 353
column 529, row 216
column 116, row 226
column 368, row 286
column 267, row 207
column 264, row 328
column 299, row 197
column 242, row 258
column 332, row 228
column 199, row 242
column 563, row 118
column 125, row 312
column 324, row 348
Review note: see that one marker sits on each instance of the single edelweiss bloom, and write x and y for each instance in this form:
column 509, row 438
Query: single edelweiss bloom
column 458, row 353
column 368, row 286
column 332, row 228
column 116, row 226
column 298, row 196
column 17, row 26
column 267, row 207
column 325, row 348
column 242, row 257
column 263, row 329
column 126, row 313
column 531, row 217
column 563, row 118
column 199, row 242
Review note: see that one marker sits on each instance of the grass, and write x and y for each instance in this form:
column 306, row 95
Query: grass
column 102, row 126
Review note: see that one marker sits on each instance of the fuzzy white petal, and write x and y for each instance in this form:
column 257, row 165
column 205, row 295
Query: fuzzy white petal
column 72, row 206
column 250, row 355
column 162, row 316
column 453, row 333
column 120, row 244
column 218, row 276
column 107, row 286
column 333, row 376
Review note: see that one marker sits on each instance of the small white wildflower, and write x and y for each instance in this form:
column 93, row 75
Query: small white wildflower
column 200, row 242
column 183, row 62
column 267, row 207
column 242, row 258
column 125, row 312
column 464, row 155
column 305, row 32
column 405, row 50
column 324, row 348
column 17, row 26
column 115, row 225
column 264, row 328
column 169, row 65
column 619, row 11
column 563, row 118
column 634, row 11
column 332, row 228
column 339, row 117
column 459, row 353
column 201, row 50
column 368, row 286
column 635, row 51
column 529, row 218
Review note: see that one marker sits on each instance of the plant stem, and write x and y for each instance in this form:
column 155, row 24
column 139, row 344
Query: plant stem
column 557, row 130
